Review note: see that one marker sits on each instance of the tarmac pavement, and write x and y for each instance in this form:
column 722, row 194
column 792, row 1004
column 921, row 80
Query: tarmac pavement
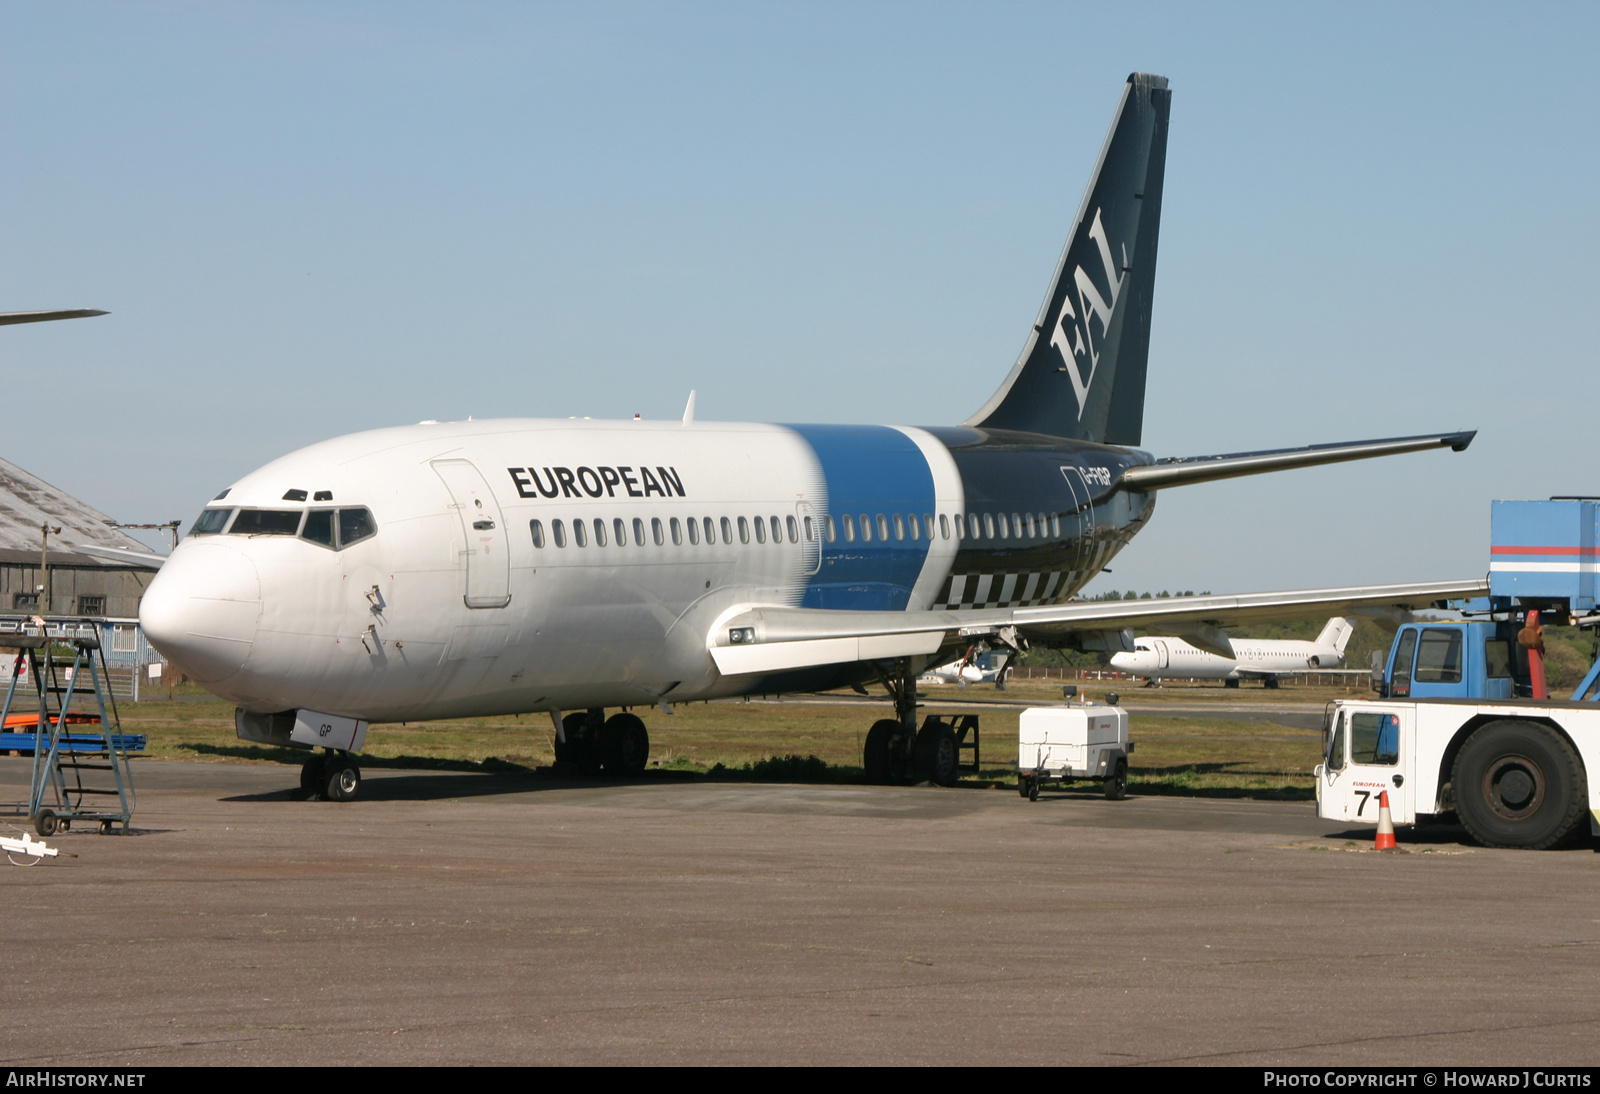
column 451, row 918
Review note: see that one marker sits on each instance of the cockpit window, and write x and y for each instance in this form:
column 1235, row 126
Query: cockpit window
column 354, row 526
column 319, row 527
column 266, row 522
column 211, row 521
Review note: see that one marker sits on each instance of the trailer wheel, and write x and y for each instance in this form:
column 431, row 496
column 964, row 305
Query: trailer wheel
column 1033, row 789
column 1116, row 784
column 47, row 823
column 1518, row 784
column 1022, row 785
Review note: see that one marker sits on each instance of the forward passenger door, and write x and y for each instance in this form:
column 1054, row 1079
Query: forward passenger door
column 484, row 541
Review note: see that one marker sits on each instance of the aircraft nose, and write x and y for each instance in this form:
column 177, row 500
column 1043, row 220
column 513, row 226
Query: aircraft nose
column 202, row 609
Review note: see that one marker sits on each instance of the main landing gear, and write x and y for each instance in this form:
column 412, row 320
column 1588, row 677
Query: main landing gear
column 333, row 776
column 590, row 743
column 896, row 751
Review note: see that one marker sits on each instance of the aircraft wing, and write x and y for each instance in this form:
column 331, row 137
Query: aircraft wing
column 777, row 639
column 117, row 554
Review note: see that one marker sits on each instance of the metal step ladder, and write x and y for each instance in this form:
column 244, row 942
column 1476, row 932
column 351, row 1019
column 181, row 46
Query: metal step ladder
column 80, row 758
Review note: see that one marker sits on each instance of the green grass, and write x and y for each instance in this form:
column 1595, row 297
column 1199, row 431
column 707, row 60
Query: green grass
column 793, row 741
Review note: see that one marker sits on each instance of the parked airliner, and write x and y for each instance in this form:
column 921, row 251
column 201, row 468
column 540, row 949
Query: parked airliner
column 452, row 569
column 1266, row 659
column 977, row 665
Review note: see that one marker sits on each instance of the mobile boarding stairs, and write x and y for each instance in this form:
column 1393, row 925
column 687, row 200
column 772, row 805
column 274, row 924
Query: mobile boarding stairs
column 68, row 721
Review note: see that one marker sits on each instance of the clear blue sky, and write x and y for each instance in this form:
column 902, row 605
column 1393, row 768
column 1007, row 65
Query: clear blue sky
column 313, row 218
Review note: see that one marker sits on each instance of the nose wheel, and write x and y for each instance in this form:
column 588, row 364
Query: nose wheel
column 333, row 776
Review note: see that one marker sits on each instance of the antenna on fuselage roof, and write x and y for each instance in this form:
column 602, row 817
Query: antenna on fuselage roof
column 688, row 410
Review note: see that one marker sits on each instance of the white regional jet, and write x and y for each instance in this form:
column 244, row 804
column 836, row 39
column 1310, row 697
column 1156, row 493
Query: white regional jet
column 574, row 567
column 1265, row 659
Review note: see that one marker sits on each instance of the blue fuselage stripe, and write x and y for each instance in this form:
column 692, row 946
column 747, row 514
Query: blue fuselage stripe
column 870, row 471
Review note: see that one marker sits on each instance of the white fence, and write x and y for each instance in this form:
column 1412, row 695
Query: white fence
column 128, row 683
column 1341, row 678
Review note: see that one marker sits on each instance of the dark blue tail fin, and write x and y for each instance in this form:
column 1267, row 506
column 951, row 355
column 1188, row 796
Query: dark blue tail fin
column 1081, row 374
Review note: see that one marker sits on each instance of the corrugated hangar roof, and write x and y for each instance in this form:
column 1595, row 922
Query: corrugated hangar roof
column 27, row 501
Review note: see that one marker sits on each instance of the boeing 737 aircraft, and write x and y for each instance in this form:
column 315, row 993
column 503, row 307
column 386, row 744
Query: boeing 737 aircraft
column 453, row 569
column 1265, row 659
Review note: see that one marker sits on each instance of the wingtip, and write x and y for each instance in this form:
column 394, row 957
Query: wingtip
column 1459, row 441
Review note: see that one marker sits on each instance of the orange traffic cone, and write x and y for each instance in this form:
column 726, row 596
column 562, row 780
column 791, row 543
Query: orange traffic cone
column 1385, row 840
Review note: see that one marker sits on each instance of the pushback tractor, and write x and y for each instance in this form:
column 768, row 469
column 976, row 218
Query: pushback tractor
column 1464, row 723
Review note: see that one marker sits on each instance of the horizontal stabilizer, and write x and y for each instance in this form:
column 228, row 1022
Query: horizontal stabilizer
column 9, row 317
column 1188, row 470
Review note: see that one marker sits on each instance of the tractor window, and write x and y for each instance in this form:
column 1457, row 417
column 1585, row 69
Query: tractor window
column 1497, row 657
column 1335, row 757
column 1400, row 685
column 1439, row 657
column 1374, row 739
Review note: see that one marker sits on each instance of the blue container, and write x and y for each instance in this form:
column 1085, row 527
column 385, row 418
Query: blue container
column 1544, row 550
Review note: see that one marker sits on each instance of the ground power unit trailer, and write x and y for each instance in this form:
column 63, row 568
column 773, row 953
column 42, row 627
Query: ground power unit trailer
column 1464, row 724
column 1068, row 743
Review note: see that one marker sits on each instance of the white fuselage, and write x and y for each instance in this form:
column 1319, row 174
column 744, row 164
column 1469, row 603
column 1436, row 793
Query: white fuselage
column 382, row 629
column 469, row 589
column 1173, row 658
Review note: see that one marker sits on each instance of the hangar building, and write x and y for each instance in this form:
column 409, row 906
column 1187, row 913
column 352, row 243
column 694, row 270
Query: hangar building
column 80, row 584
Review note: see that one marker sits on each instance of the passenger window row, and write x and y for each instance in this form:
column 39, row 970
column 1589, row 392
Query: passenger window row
column 970, row 526
column 867, row 527
column 697, row 529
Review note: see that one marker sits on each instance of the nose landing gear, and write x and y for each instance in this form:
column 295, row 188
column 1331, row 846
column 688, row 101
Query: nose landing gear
column 334, row 776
